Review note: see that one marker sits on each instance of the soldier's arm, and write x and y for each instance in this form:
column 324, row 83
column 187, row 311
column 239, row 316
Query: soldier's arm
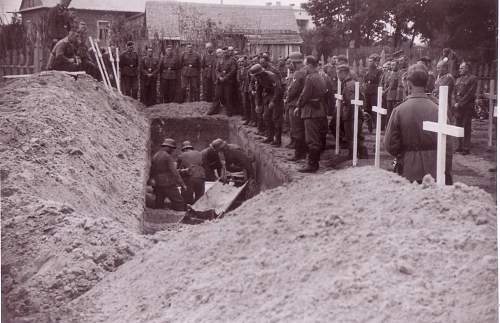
column 157, row 67
column 177, row 177
column 295, row 89
column 61, row 54
column 258, row 94
column 305, row 95
column 392, row 138
column 470, row 92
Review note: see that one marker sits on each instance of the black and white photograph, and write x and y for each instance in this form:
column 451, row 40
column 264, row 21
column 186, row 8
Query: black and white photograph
column 249, row 161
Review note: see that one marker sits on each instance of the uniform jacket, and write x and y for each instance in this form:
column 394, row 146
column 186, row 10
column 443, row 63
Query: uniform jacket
column 400, row 93
column 405, row 137
column 390, row 86
column 445, row 80
column 170, row 66
column 192, row 160
column 371, row 81
column 348, row 92
column 311, row 101
column 226, row 70
column 191, row 64
column 59, row 22
column 129, row 63
column 163, row 170
column 236, row 159
column 208, row 64
column 430, row 82
column 63, row 51
column 296, row 86
column 268, row 89
column 150, row 65
column 465, row 92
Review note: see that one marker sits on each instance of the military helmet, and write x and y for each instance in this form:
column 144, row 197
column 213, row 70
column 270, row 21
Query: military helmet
column 187, row 145
column 218, row 144
column 169, row 142
column 256, row 70
column 296, row 57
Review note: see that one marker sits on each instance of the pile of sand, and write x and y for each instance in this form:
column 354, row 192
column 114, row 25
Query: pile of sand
column 360, row 245
column 73, row 163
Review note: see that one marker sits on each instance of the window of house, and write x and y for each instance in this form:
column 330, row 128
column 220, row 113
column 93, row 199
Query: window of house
column 103, row 29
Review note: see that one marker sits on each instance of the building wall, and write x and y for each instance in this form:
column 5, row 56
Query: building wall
column 276, row 51
column 93, row 17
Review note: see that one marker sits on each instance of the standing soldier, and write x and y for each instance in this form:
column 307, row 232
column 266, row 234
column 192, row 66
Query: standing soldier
column 226, row 78
column 402, row 68
column 149, row 73
column 129, row 62
column 312, row 108
column 297, row 130
column 208, row 63
column 191, row 64
column 169, row 71
column 252, row 90
column 243, row 88
column 426, row 61
column 444, row 78
column 465, row 92
column 59, row 21
column 347, row 111
column 269, row 99
column 370, row 85
column 390, row 87
column 190, row 164
column 265, row 62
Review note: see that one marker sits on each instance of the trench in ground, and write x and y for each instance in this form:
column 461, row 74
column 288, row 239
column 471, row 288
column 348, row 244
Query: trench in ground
column 201, row 131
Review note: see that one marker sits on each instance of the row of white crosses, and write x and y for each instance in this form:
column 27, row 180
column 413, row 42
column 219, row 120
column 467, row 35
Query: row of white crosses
column 442, row 128
column 102, row 66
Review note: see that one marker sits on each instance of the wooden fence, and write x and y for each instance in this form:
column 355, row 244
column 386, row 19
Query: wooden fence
column 27, row 60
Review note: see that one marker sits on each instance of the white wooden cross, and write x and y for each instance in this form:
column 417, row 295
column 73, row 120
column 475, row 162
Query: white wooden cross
column 338, row 103
column 443, row 129
column 357, row 103
column 380, row 111
column 492, row 96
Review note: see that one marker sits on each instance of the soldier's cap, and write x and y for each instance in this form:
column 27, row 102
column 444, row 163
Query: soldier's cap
column 343, row 67
column 187, row 145
column 342, row 58
column 219, row 50
column 218, row 144
column 130, row 43
column 169, row 142
column 256, row 69
column 417, row 74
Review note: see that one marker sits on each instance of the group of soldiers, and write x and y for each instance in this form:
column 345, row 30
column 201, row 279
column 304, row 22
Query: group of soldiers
column 192, row 169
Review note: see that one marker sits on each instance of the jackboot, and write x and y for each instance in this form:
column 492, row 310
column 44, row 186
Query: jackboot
column 291, row 145
column 313, row 162
column 270, row 135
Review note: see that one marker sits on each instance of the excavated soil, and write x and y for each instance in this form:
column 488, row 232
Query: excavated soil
column 73, row 164
column 359, row 245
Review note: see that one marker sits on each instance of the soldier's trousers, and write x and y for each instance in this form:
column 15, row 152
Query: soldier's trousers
column 168, row 90
column 208, row 89
column 391, row 104
column 130, row 85
column 464, row 119
column 297, row 132
column 148, row 92
column 273, row 119
column 195, row 189
column 247, row 108
column 224, row 95
column 315, row 136
column 191, row 87
column 173, row 194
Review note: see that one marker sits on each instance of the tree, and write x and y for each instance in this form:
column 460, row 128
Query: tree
column 322, row 40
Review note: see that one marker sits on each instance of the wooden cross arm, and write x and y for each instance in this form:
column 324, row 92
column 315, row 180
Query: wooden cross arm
column 443, row 129
column 379, row 110
column 357, row 102
column 338, row 96
column 495, row 112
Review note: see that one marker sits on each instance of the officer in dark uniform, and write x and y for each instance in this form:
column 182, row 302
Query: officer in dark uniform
column 208, row 64
column 59, row 21
column 232, row 158
column 190, row 164
column 371, row 81
column 243, row 89
column 129, row 62
column 169, row 76
column 311, row 107
column 347, row 111
column 297, row 130
column 269, row 99
column 191, row 65
column 226, row 78
column 64, row 54
column 166, row 177
column 463, row 109
column 149, row 73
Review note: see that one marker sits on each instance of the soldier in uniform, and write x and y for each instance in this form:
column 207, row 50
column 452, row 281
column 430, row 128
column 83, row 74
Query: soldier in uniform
column 426, row 61
column 149, row 73
column 265, row 62
column 347, row 111
column 269, row 99
column 64, row 54
column 190, row 164
column 390, row 87
column 297, row 129
column 169, row 76
column 166, row 177
column 226, row 77
column 208, row 64
column 444, row 78
column 228, row 157
column 243, row 89
column 465, row 92
column 59, row 21
column 129, row 63
column 371, row 81
column 402, row 69
column 191, row 65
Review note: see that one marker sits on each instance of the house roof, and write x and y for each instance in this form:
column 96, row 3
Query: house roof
column 171, row 19
column 102, row 5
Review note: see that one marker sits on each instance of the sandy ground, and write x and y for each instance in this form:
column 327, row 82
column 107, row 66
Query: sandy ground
column 72, row 165
column 362, row 245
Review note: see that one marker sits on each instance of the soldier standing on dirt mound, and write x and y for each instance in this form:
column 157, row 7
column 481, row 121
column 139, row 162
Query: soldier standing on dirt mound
column 129, row 63
column 191, row 65
column 190, row 164
column 269, row 99
column 149, row 72
column 63, row 56
column 59, row 22
column 311, row 107
column 297, row 130
column 166, row 177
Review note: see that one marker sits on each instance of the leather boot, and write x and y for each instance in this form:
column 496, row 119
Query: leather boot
column 277, row 137
column 298, row 154
column 312, row 164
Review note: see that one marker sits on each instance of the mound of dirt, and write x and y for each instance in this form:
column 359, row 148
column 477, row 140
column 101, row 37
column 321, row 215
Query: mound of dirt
column 179, row 110
column 73, row 167
column 360, row 245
